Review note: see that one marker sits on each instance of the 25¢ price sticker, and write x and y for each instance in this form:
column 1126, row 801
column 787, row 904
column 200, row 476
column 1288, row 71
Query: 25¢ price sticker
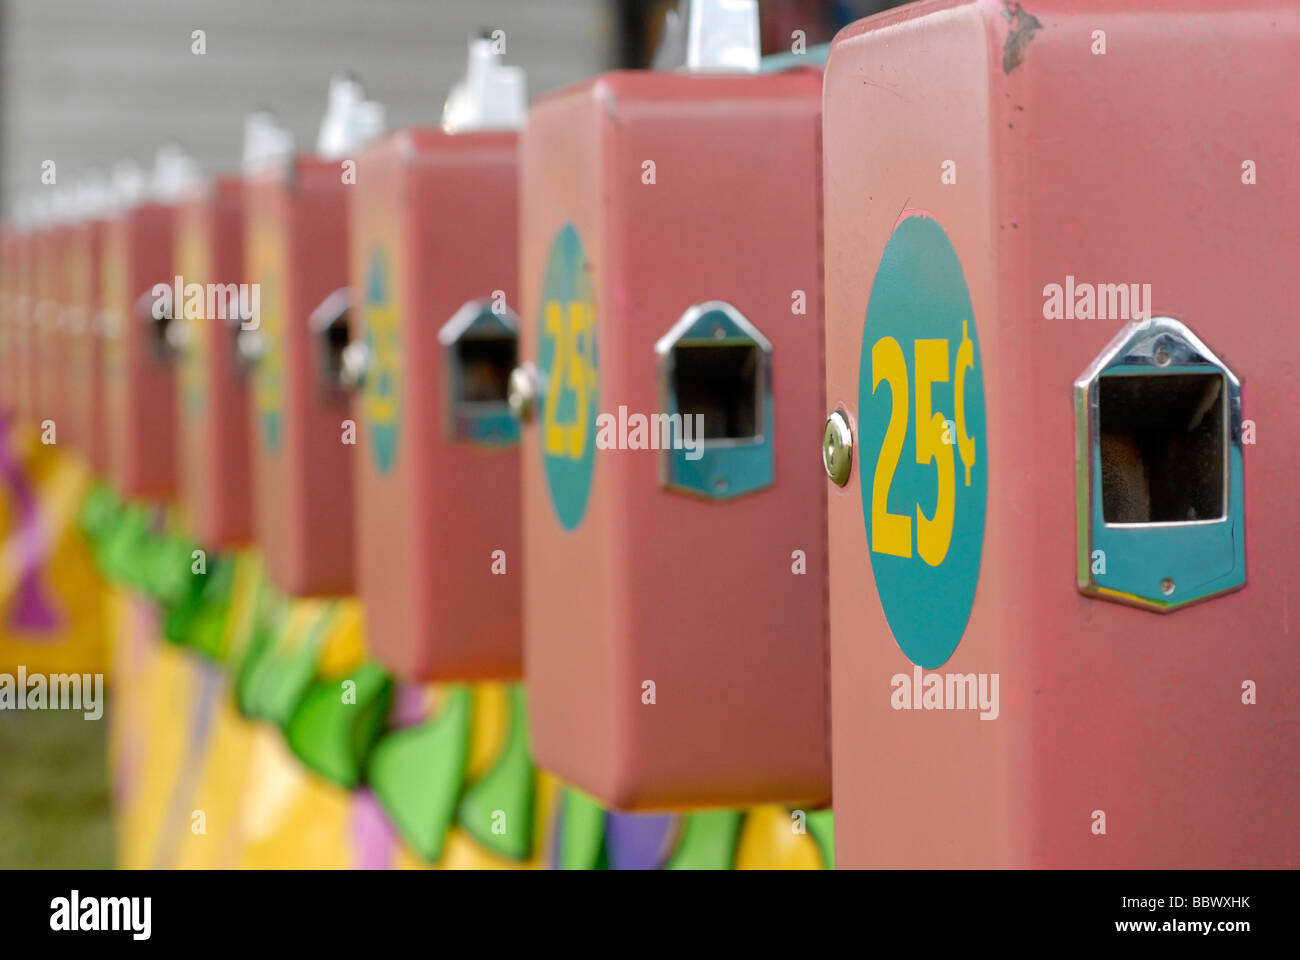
column 571, row 378
column 567, row 359
column 267, row 257
column 382, row 388
column 923, row 436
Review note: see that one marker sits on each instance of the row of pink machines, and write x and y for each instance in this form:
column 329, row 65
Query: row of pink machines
column 545, row 388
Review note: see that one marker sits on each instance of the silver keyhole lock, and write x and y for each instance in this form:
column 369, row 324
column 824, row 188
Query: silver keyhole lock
column 250, row 346
column 178, row 336
column 522, row 395
column 354, row 362
column 837, row 448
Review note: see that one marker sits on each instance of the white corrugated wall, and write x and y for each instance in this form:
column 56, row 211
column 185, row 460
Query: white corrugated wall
column 86, row 82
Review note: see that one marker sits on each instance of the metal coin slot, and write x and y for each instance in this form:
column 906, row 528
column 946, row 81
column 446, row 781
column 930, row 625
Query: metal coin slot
column 1159, row 470
column 1163, row 448
column 481, row 343
column 245, row 345
column 166, row 336
column 248, row 347
column 714, row 431
column 331, row 324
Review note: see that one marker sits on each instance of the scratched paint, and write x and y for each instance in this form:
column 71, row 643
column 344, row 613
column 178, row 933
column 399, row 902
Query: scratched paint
column 1023, row 27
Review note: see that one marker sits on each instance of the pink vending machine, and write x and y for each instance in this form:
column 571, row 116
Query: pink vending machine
column 434, row 265
column 83, row 278
column 138, row 353
column 674, row 619
column 211, row 389
column 1060, row 343
column 296, row 250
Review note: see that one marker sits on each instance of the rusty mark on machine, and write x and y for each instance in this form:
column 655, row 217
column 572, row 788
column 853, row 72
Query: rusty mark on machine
column 1023, row 27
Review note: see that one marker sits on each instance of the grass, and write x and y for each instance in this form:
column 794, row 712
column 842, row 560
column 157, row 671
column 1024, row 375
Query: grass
column 55, row 809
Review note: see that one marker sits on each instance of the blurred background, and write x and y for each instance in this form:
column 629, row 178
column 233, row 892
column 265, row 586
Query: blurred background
column 88, row 82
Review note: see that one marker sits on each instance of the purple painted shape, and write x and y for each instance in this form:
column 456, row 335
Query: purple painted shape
column 32, row 610
column 373, row 837
column 210, row 686
column 125, row 776
column 410, row 706
column 639, row 841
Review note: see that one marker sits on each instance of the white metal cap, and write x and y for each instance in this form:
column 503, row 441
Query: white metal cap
column 491, row 95
column 175, row 173
column 32, row 212
column 711, row 36
column 126, row 185
column 91, row 194
column 63, row 206
column 265, row 141
column 351, row 121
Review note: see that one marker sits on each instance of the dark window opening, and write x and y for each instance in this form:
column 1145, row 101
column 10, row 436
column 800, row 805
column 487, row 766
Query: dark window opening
column 336, row 338
column 721, row 383
column 483, row 366
column 162, row 336
column 1163, row 447
column 242, row 354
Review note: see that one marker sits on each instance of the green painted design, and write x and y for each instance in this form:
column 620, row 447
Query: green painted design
column 199, row 621
column 261, row 642
column 417, row 774
column 582, row 833
column 284, row 676
column 821, row 823
column 199, row 626
column 507, row 788
column 708, row 841
column 333, row 737
column 240, row 636
column 99, row 512
column 168, row 571
column 124, row 549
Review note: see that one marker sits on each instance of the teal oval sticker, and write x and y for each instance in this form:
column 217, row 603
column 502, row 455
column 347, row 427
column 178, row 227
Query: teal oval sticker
column 923, row 436
column 381, row 392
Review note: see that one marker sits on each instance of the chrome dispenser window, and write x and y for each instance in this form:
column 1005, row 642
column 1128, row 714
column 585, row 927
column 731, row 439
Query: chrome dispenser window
column 247, row 341
column 1163, row 447
column 245, row 348
column 715, row 421
column 336, row 341
column 331, row 324
column 481, row 344
column 1159, row 470
column 164, row 331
